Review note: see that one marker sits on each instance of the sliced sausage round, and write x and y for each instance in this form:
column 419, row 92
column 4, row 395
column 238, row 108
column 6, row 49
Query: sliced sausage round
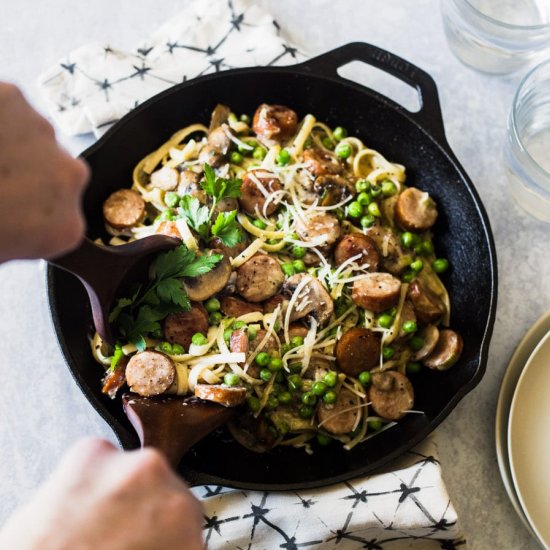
column 271, row 345
column 252, row 200
column 313, row 299
column 415, row 210
column 322, row 225
column 259, row 278
column 391, row 394
column 430, row 335
column 205, row 286
column 180, row 327
column 338, row 419
column 357, row 350
column 124, row 209
column 275, row 301
column 392, row 256
column 274, row 122
column 356, row 243
column 115, row 379
column 166, row 178
column 296, row 329
column 446, row 352
column 321, row 163
column 235, row 307
column 226, row 396
column 150, row 373
column 376, row 291
column 427, row 305
column 238, row 343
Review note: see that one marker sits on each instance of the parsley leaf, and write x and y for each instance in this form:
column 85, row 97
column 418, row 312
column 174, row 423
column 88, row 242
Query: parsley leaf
column 227, row 229
column 171, row 290
column 220, row 188
column 197, row 216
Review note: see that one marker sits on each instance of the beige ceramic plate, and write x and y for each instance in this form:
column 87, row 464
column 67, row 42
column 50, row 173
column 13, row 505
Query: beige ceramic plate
column 506, row 393
column 529, row 440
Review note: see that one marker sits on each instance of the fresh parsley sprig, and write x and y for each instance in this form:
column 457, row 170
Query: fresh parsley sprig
column 135, row 317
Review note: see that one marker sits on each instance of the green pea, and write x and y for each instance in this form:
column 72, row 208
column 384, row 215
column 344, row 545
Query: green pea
column 296, row 341
column 171, row 199
column 298, row 251
column 330, row 397
column 417, row 266
column 285, row 348
column 305, row 411
column 408, row 276
column 323, row 439
column 309, row 398
column 425, row 248
column 273, row 241
column 212, row 305
column 259, row 153
column 354, row 209
column 416, row 343
column 239, row 324
column 265, row 375
column 440, row 265
column 283, row 158
column 319, row 388
column 245, row 151
column 339, row 133
column 232, row 117
column 236, row 157
column 407, row 239
column 177, row 349
column 215, row 318
column 364, row 199
column 253, row 403
column 299, row 266
column 245, row 118
column 385, row 320
column 272, row 403
column 374, row 210
column 252, row 333
column 374, row 425
column 167, row 216
column 367, row 220
column 330, row 379
column 375, row 190
column 387, row 352
column 166, row 347
column 409, row 327
column 388, row 188
column 285, row 397
column 231, row 379
column 343, row 150
column 365, row 378
column 295, row 368
column 260, row 224
column 263, row 359
column 362, row 186
column 294, row 382
column 413, row 368
column 227, row 334
column 275, row 364
column 288, row 269
column 328, row 143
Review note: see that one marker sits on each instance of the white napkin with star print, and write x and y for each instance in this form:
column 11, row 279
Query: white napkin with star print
column 93, row 87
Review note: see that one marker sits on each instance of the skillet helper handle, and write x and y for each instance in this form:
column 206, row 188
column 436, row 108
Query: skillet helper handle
column 429, row 116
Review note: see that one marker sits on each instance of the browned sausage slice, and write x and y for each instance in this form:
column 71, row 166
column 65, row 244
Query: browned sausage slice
column 168, row 228
column 297, row 330
column 166, row 178
column 252, row 198
column 446, row 351
column 204, row 286
column 430, row 335
column 278, row 300
column 238, row 343
column 415, row 210
column 322, row 163
column 358, row 350
column 376, row 291
column 338, row 419
column 180, row 327
column 354, row 244
column 392, row 256
column 234, row 307
column 124, row 209
column 313, row 300
column 320, row 225
column 226, row 396
column 150, row 373
column 259, row 278
column 271, row 345
column 115, row 379
column 427, row 305
column 274, row 122
column 391, row 394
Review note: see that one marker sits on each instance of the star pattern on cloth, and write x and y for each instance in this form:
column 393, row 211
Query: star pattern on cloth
column 208, row 36
column 406, row 507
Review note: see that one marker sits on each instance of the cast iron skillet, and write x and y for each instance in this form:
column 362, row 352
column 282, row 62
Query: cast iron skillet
column 417, row 140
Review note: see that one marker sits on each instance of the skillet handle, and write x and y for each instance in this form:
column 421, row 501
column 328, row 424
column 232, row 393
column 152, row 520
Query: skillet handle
column 429, row 116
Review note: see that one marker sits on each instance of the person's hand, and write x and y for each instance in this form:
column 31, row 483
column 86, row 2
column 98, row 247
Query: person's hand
column 40, row 184
column 102, row 498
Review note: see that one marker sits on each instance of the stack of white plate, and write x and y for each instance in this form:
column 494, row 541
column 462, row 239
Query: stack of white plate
column 523, row 430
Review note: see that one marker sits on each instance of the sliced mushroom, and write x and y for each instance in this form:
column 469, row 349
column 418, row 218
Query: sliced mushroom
column 313, row 300
column 219, row 116
column 333, row 189
column 407, row 315
column 446, row 352
column 321, row 163
column 392, row 256
column 189, row 185
column 274, row 122
column 391, row 394
column 203, row 287
column 430, row 335
column 229, row 251
column 166, row 178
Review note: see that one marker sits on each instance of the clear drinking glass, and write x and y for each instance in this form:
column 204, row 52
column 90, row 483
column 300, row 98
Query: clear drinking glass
column 496, row 36
column 527, row 149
